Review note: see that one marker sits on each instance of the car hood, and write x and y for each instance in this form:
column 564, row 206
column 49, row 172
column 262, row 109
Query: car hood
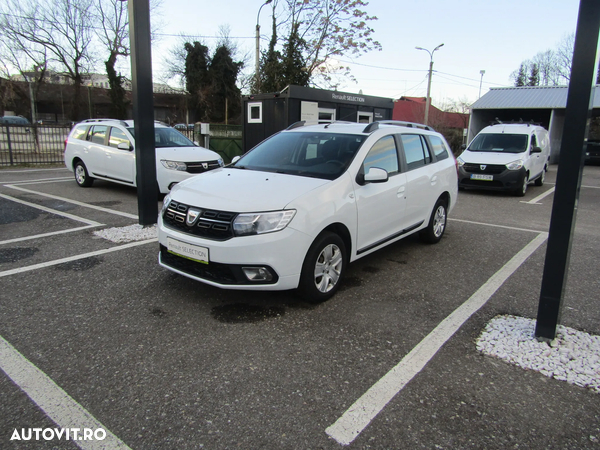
column 186, row 154
column 239, row 190
column 490, row 157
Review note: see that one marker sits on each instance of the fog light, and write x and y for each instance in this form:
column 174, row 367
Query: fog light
column 257, row 273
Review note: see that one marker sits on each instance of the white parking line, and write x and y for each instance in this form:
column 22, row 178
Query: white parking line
column 53, row 400
column 33, row 170
column 497, row 226
column 53, row 211
column 535, row 201
column 73, row 258
column 365, row 409
column 54, row 233
column 41, row 181
column 75, row 202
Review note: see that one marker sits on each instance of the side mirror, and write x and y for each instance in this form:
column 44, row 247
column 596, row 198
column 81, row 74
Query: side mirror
column 235, row 159
column 124, row 146
column 463, row 147
column 536, row 150
column 376, row 175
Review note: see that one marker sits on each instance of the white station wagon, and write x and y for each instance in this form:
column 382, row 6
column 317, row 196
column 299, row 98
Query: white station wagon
column 297, row 208
column 105, row 149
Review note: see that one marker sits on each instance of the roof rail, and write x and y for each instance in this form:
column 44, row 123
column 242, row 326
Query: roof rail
column 516, row 122
column 375, row 125
column 298, row 124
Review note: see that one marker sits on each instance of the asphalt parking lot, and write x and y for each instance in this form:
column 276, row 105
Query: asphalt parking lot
column 158, row 361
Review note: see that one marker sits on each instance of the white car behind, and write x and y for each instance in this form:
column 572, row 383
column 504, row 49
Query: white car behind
column 105, row 149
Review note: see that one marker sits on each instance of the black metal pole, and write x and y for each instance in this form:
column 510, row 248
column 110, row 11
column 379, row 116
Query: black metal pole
column 143, row 110
column 570, row 169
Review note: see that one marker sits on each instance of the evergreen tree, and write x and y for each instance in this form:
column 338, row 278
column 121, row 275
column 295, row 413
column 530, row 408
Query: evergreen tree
column 521, row 77
column 197, row 61
column 534, row 76
column 223, row 96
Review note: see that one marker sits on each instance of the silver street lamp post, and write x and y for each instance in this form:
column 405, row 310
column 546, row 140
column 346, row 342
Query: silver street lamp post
column 257, row 56
column 428, row 99
column 482, row 72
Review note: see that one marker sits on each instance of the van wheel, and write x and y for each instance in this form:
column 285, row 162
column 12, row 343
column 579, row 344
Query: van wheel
column 522, row 190
column 540, row 180
column 81, row 175
column 437, row 223
column 323, row 268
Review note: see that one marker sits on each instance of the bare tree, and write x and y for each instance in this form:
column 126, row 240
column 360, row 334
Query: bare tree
column 553, row 65
column 323, row 31
column 62, row 28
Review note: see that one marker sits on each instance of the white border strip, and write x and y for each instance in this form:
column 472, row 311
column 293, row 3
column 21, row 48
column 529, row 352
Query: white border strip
column 363, row 411
column 73, row 258
column 75, row 202
column 52, row 399
column 53, row 211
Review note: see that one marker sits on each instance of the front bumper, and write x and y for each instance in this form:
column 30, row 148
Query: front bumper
column 281, row 253
column 499, row 177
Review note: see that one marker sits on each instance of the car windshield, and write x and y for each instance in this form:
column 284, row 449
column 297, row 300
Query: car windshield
column 505, row 143
column 319, row 155
column 167, row 137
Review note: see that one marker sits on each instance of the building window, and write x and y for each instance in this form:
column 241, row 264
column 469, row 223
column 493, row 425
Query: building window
column 326, row 115
column 255, row 112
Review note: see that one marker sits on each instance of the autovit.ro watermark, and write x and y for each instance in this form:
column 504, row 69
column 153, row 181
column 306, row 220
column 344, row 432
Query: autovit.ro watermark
column 67, row 434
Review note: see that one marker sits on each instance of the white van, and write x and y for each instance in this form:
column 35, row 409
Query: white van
column 505, row 157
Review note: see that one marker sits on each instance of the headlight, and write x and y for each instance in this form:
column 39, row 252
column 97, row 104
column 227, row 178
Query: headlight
column 174, row 165
column 221, row 163
column 259, row 223
column 460, row 161
column 515, row 165
column 165, row 204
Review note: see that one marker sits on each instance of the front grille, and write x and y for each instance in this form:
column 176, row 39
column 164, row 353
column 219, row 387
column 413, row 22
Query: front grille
column 209, row 224
column 200, row 167
column 491, row 169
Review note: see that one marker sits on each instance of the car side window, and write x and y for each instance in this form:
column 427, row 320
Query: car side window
column 415, row 151
column 383, row 155
column 117, row 137
column 439, row 149
column 97, row 134
column 533, row 141
column 80, row 132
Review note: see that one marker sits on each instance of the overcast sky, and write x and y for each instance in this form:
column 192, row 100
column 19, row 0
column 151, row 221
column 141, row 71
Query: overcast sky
column 495, row 36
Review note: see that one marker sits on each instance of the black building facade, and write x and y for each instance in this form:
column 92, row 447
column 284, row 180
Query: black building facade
column 266, row 114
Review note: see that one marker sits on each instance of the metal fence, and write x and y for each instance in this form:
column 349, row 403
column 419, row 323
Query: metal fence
column 33, row 144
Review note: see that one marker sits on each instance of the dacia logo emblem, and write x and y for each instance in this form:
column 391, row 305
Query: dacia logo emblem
column 205, row 165
column 482, row 167
column 192, row 216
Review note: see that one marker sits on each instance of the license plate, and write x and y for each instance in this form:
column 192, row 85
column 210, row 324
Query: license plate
column 477, row 176
column 188, row 251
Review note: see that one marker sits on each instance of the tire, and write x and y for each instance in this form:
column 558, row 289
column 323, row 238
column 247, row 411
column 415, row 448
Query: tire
column 323, row 268
column 522, row 190
column 540, row 180
column 82, row 176
column 437, row 223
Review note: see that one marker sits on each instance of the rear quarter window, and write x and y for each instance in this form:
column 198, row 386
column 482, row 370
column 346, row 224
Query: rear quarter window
column 80, row 132
column 439, row 149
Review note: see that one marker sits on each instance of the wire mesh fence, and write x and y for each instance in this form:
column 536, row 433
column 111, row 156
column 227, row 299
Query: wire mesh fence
column 32, row 144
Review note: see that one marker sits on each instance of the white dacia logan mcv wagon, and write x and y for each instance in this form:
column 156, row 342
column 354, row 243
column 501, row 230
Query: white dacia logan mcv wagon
column 297, row 208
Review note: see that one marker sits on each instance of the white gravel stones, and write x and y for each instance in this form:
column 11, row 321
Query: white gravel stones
column 574, row 356
column 128, row 234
